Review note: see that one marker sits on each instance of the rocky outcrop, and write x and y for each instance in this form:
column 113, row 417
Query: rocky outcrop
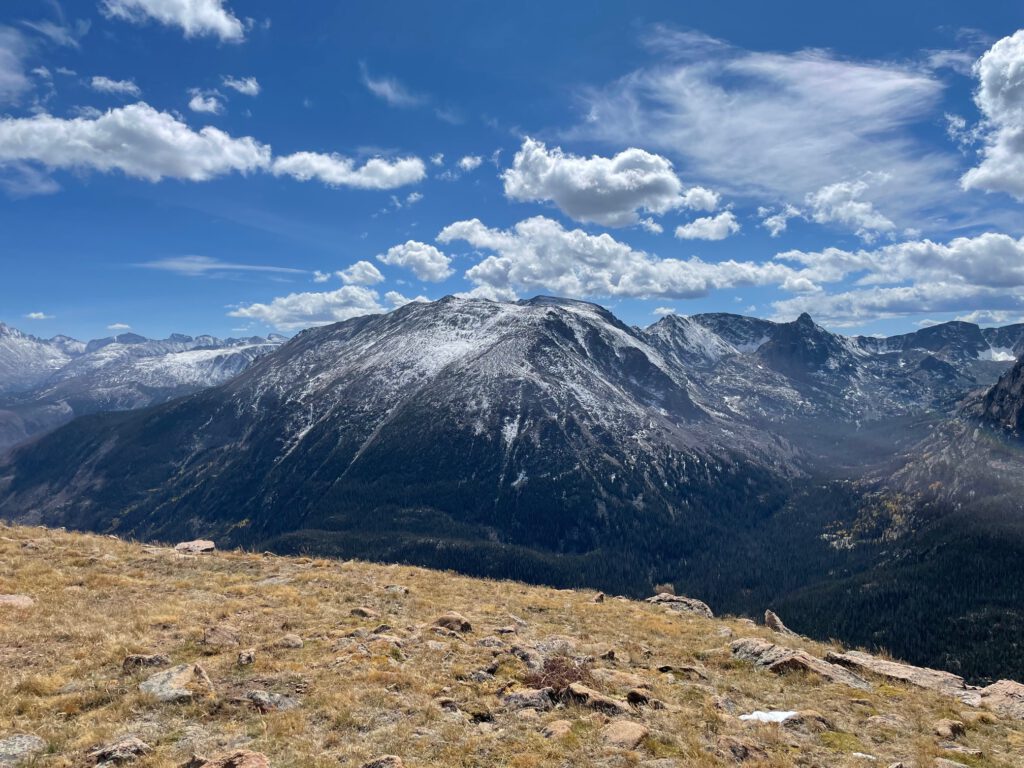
column 682, row 604
column 1005, row 697
column 779, row 659
column 123, row 750
column 185, row 682
column 932, row 679
column 196, row 547
column 588, row 697
column 19, row 748
column 453, row 621
column 774, row 623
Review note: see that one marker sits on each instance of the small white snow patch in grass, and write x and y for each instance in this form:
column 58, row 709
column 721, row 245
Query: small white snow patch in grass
column 772, row 716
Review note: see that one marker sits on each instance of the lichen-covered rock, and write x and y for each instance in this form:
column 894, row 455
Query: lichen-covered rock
column 456, row 622
column 682, row 604
column 531, row 698
column 19, row 748
column 196, row 547
column 265, row 701
column 123, row 750
column 624, row 734
column 588, row 697
column 185, row 682
column 136, row 661
column 922, row 677
column 774, row 623
column 1005, row 697
column 779, row 659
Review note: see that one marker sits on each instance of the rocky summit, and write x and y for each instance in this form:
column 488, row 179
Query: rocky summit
column 114, row 663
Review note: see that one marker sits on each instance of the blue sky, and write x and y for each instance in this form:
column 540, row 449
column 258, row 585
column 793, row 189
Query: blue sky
column 226, row 167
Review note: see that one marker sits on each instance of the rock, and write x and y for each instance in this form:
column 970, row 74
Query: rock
column 531, row 698
column 18, row 602
column 396, row 589
column 196, row 547
column 949, row 729
column 960, row 749
column 290, row 641
column 121, row 751
column 588, row 697
column 19, row 748
column 184, row 682
column 779, row 659
column 739, row 751
column 614, row 678
column 624, row 734
column 599, row 597
column 932, row 679
column 809, row 721
column 1005, row 697
column 240, row 758
column 889, row 722
column 941, row 762
column 682, row 604
column 456, row 622
column 271, row 702
column 531, row 658
column 362, row 612
column 137, row 661
column 557, row 729
column 774, row 623
column 221, row 636
column 384, row 761
column 247, row 657
column 511, row 629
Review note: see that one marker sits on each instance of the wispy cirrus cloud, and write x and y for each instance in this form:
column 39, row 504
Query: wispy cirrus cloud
column 203, row 266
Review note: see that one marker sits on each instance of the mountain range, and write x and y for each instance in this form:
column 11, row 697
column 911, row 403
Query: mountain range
column 866, row 486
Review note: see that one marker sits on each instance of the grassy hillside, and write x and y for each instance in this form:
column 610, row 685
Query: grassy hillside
column 375, row 677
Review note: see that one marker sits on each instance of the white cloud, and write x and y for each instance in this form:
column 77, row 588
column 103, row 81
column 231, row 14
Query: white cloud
column 13, row 79
column 777, row 126
column 413, row 197
column 361, row 273
column 700, row 199
column 199, row 266
column 195, row 17
column 390, row 90
column 651, row 226
column 663, row 311
column 470, row 163
column 339, row 171
column 38, row 316
column 841, row 203
column 538, row 254
column 992, row 317
column 710, row 227
column 247, row 86
column 60, row 33
column 119, row 327
column 604, row 190
column 24, row 180
column 1000, row 97
column 437, row 159
column 425, row 261
column 136, row 140
column 122, row 87
column 302, row 310
column 396, row 300
column 777, row 221
column 321, row 277
column 205, row 101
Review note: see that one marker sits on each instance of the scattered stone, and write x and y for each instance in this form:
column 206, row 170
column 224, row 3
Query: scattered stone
column 137, row 661
column 949, row 729
column 624, row 734
column 599, row 597
column 121, row 751
column 618, row 679
column 20, row 602
column 396, row 589
column 271, row 702
column 960, row 749
column 1005, row 697
column 509, row 630
column 809, row 721
column 384, row 761
column 682, row 604
column 196, row 547
column 588, row 697
column 241, row 758
column 453, row 621
column 941, row 762
column 531, row 698
column 557, row 729
column 362, row 612
column 19, row 748
column 774, row 623
column 247, row 657
column 531, row 658
column 490, row 642
column 184, row 682
column 739, row 751
column 221, row 636
column 890, row 722
column 932, row 679
column 779, row 659
column 290, row 641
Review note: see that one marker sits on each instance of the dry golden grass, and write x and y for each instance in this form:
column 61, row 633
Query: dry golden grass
column 99, row 599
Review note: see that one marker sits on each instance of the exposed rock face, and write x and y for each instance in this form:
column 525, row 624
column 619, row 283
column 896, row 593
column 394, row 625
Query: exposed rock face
column 1003, row 404
column 773, row 622
column 682, row 604
column 779, row 659
column 17, row 749
column 184, row 682
column 624, row 734
column 932, row 679
column 1005, row 697
column 196, row 547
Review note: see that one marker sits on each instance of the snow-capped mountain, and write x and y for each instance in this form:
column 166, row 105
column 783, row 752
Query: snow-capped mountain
column 45, row 383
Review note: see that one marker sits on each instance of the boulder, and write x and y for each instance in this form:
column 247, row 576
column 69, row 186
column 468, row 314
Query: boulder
column 1005, row 697
column 19, row 748
column 453, row 621
column 136, row 661
column 774, row 623
column 271, row 702
column 682, row 604
column 738, row 751
column 123, row 750
column 530, row 698
column 184, row 682
column 196, row 547
column 588, row 697
column 599, row 597
column 949, row 729
column 557, row 729
column 932, row 679
column 624, row 734
column 779, row 659
column 240, row 758
column 290, row 641
column 247, row 657
column 221, row 636
column 19, row 602
column 362, row 612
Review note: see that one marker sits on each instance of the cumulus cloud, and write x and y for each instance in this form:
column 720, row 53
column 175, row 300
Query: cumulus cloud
column 612, row 191
column 247, row 86
column 205, row 101
column 339, row 171
column 195, row 17
column 1000, row 97
column 303, row 310
column 426, row 262
column 119, row 327
column 122, row 87
column 201, row 266
column 396, row 299
column 710, row 227
column 38, row 316
column 361, row 273
column 776, row 221
column 538, row 254
column 470, row 163
column 841, row 203
column 136, row 139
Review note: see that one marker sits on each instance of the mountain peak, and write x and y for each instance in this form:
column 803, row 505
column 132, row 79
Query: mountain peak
column 805, row 320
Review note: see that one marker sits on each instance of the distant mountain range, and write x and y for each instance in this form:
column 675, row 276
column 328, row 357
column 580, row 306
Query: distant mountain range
column 747, row 461
column 46, row 382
